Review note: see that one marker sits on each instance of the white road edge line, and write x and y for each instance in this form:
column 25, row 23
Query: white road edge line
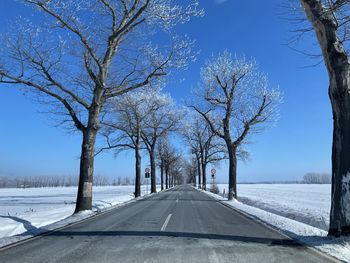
column 166, row 222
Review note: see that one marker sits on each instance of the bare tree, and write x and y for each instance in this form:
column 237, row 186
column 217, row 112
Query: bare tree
column 145, row 114
column 126, row 180
column 190, row 170
column 161, row 148
column 177, row 172
column 123, row 128
column 83, row 53
column 317, row 178
column 236, row 102
column 101, row 180
column 194, row 147
column 205, row 145
column 168, row 156
column 330, row 21
column 4, row 181
column 162, row 119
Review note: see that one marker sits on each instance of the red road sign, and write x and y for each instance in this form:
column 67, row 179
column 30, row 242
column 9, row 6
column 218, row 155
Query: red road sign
column 213, row 171
column 147, row 170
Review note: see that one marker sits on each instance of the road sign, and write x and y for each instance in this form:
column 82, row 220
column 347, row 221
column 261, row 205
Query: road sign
column 147, row 170
column 147, row 175
column 213, row 172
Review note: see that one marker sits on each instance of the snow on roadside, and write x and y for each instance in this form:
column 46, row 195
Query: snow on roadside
column 306, row 203
column 309, row 235
column 28, row 212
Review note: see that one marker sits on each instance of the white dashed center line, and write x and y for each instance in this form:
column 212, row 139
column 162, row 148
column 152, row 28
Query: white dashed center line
column 166, row 222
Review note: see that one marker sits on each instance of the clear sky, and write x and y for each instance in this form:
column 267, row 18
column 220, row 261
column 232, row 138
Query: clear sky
column 300, row 142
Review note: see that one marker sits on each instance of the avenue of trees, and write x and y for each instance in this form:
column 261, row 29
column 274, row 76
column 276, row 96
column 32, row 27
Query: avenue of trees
column 204, row 145
column 84, row 53
column 138, row 120
column 96, row 66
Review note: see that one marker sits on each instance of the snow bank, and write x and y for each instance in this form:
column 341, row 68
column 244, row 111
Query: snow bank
column 306, row 203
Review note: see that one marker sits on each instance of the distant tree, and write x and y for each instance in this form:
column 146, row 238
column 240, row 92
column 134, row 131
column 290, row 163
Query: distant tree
column 123, row 128
column 236, row 102
column 71, row 181
column 141, row 116
column 114, row 182
column 163, row 118
column 126, row 180
column 317, row 178
column 195, row 150
column 101, row 180
column 168, row 156
column 206, row 146
column 189, row 134
column 190, row 170
column 82, row 53
column 161, row 148
column 177, row 171
column 3, row 181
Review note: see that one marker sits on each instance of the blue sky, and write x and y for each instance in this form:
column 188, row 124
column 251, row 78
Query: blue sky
column 300, row 141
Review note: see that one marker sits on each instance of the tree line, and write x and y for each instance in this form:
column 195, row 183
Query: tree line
column 60, row 181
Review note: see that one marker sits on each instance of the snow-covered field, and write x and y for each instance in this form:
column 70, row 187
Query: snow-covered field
column 306, row 203
column 29, row 210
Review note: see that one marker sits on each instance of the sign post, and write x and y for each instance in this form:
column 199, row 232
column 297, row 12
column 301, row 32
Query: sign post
column 147, row 176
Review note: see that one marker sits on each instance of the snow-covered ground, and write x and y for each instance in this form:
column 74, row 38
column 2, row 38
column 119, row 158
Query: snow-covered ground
column 306, row 203
column 30, row 210
column 301, row 211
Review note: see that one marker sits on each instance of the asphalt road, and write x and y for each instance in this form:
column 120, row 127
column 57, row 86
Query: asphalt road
column 179, row 225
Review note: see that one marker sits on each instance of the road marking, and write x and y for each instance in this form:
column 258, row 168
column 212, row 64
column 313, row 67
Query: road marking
column 166, row 222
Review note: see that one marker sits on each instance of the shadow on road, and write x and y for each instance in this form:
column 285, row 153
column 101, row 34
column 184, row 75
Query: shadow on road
column 179, row 199
column 267, row 241
column 26, row 224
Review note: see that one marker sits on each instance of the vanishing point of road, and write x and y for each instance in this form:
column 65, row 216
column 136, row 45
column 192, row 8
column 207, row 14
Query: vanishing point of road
column 178, row 225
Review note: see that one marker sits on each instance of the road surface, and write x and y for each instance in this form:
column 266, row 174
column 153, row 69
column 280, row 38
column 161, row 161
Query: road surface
column 179, row 225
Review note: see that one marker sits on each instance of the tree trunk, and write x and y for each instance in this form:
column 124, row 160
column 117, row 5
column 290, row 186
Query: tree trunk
column 340, row 205
column 137, row 169
column 232, row 173
column 166, row 177
column 199, row 173
column 338, row 67
column 161, row 175
column 84, row 196
column 153, row 171
column 194, row 179
column 204, row 175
